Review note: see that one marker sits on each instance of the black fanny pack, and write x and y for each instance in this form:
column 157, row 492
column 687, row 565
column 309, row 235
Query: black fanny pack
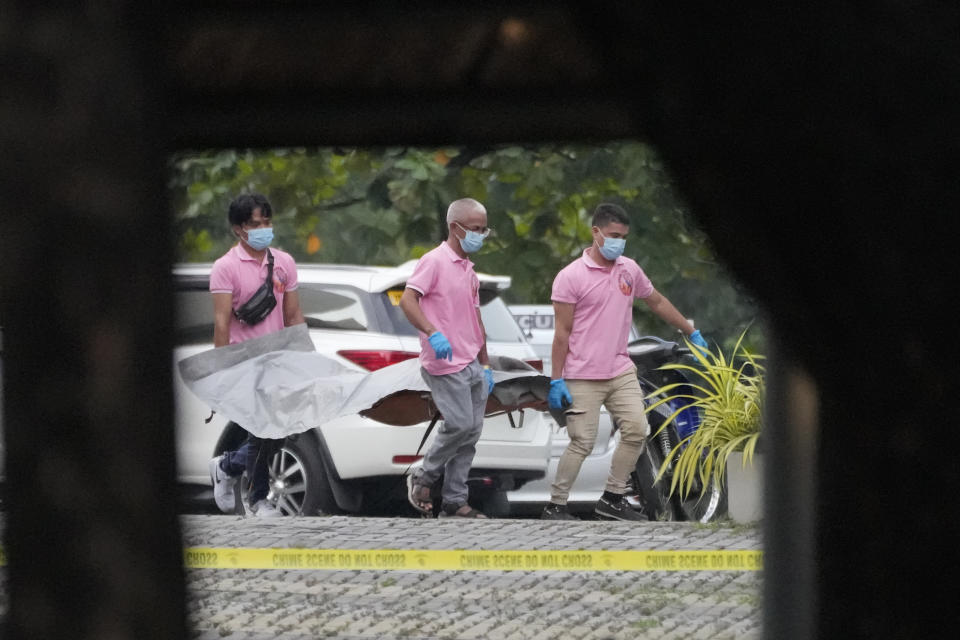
column 262, row 302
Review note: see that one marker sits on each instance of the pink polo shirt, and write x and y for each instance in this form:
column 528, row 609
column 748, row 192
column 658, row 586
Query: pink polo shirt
column 450, row 299
column 602, row 313
column 240, row 274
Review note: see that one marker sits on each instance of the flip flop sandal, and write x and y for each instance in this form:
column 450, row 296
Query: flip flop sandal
column 419, row 496
column 465, row 511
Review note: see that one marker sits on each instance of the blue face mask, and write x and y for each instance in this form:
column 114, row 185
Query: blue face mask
column 472, row 241
column 261, row 238
column 612, row 248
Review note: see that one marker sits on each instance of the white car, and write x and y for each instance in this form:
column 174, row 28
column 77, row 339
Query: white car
column 354, row 464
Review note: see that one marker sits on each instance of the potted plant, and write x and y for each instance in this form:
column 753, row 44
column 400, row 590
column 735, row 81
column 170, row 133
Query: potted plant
column 727, row 393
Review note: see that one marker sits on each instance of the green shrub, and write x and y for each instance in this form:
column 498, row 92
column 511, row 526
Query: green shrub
column 729, row 396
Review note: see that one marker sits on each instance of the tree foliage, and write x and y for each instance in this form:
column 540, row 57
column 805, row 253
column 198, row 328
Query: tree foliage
column 386, row 206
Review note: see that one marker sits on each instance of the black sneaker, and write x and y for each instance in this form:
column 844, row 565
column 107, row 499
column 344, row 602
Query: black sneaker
column 618, row 510
column 557, row 512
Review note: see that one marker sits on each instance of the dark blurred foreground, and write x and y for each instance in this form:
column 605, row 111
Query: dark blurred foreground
column 818, row 148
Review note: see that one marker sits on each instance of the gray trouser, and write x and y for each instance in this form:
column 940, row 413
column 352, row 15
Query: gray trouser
column 462, row 398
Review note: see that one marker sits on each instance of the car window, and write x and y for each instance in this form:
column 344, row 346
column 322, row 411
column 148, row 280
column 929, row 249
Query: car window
column 193, row 316
column 322, row 308
column 332, row 308
column 499, row 324
column 396, row 321
column 336, row 308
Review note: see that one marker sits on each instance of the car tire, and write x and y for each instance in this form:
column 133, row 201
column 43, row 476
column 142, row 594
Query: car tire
column 298, row 479
column 494, row 504
column 318, row 498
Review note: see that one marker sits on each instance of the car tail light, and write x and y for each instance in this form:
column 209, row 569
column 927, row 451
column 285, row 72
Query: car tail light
column 376, row 359
column 406, row 459
column 536, row 364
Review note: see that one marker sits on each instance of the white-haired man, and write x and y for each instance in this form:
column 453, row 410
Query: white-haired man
column 442, row 301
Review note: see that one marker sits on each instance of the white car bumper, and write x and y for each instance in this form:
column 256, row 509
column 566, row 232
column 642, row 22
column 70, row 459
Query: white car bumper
column 521, row 448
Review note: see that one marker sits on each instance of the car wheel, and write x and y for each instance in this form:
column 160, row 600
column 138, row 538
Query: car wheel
column 298, row 480
column 494, row 504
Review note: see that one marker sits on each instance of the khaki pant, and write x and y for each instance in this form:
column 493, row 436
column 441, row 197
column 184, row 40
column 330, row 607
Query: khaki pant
column 624, row 400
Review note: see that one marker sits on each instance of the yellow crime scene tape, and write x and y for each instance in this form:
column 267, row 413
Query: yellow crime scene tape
column 471, row 560
column 466, row 560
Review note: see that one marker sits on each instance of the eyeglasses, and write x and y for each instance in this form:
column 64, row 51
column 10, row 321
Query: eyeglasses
column 483, row 231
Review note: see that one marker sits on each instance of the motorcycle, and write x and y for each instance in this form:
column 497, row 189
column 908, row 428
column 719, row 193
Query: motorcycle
column 666, row 438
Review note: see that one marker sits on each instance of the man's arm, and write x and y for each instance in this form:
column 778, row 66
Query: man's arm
column 291, row 309
column 482, row 355
column 410, row 305
column 222, row 312
column 665, row 310
column 562, row 326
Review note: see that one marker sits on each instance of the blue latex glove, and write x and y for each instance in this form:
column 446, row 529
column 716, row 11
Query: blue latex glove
column 698, row 340
column 488, row 374
column 441, row 346
column 559, row 396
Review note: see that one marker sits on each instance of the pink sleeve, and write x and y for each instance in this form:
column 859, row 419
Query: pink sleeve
column 291, row 267
column 643, row 287
column 563, row 289
column 221, row 279
column 423, row 276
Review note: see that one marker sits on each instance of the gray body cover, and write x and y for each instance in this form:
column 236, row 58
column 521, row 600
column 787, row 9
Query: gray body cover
column 278, row 385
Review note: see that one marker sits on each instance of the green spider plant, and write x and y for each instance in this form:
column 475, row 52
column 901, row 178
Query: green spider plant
column 729, row 397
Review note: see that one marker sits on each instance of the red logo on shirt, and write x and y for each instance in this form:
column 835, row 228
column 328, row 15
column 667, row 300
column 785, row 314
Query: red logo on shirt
column 626, row 284
column 279, row 281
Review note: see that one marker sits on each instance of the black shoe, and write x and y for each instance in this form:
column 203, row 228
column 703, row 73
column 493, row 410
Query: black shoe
column 557, row 512
column 618, row 510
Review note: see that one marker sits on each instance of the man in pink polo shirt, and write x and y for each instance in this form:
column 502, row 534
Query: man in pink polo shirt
column 593, row 310
column 442, row 301
column 234, row 279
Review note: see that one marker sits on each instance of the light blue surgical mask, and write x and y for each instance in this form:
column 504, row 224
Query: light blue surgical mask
column 261, row 238
column 612, row 248
column 473, row 240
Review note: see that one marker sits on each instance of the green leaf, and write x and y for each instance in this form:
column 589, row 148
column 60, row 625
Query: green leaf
column 730, row 401
column 536, row 196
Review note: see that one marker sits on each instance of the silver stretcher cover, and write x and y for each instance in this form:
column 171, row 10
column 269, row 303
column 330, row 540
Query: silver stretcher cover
column 278, row 385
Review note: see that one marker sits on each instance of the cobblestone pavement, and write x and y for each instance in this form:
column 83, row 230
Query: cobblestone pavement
column 530, row 605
